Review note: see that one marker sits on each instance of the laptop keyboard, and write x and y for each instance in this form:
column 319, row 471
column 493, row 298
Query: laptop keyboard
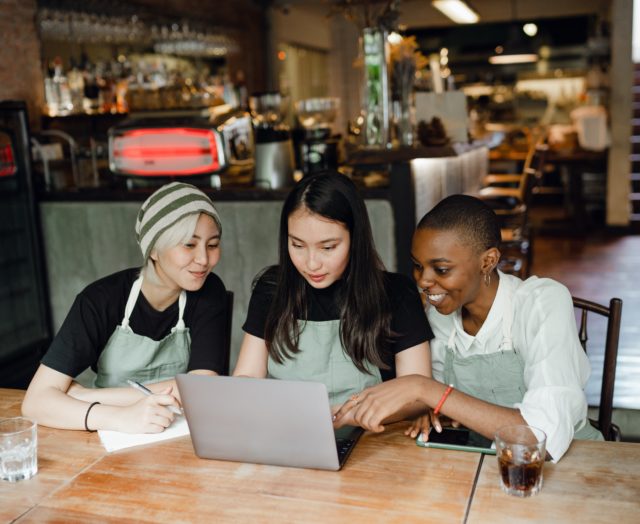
column 344, row 445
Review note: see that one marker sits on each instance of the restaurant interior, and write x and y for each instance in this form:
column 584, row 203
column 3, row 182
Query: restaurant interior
column 531, row 106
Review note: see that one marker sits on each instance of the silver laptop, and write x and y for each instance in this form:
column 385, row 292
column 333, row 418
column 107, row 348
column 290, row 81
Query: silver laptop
column 264, row 421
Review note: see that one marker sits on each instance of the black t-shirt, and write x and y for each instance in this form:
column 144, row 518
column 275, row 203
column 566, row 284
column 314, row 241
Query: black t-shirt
column 99, row 309
column 408, row 319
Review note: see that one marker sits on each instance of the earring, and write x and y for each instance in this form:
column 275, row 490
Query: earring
column 487, row 279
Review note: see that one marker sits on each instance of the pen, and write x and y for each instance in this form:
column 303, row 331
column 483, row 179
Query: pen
column 147, row 391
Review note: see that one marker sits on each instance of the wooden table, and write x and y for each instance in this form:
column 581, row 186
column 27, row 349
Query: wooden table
column 387, row 478
column 594, row 482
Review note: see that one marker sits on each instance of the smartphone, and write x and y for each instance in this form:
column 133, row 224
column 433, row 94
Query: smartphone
column 461, row 439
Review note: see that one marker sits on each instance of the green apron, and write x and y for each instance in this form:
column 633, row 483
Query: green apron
column 131, row 356
column 322, row 358
column 497, row 378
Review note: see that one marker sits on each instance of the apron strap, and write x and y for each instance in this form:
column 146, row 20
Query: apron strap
column 182, row 302
column 452, row 336
column 133, row 298
column 131, row 301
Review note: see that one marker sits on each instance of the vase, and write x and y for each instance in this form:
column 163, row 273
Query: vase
column 404, row 117
column 376, row 88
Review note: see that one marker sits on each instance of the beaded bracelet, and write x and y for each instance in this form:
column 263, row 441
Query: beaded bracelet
column 86, row 417
column 443, row 398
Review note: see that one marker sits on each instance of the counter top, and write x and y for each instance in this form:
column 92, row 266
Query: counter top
column 229, row 192
column 363, row 156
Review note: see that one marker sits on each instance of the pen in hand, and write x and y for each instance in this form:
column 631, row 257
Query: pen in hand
column 147, row 391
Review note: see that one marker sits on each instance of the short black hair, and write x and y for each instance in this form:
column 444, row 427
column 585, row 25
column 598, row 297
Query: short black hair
column 467, row 215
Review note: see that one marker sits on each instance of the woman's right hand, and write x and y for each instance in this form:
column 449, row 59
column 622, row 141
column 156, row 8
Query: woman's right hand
column 422, row 425
column 148, row 415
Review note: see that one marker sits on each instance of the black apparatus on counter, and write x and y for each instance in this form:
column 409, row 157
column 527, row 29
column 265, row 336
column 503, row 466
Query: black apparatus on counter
column 316, row 147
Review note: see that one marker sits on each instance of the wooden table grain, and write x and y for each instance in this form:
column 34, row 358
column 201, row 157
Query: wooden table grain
column 62, row 455
column 387, row 477
column 594, row 482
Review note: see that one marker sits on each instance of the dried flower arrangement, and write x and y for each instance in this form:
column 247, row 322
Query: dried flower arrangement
column 368, row 13
column 405, row 60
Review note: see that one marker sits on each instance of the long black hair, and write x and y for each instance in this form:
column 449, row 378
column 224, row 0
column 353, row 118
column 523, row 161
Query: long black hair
column 365, row 311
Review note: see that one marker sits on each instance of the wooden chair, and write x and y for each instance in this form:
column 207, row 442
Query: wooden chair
column 514, row 185
column 613, row 313
column 227, row 336
column 509, row 195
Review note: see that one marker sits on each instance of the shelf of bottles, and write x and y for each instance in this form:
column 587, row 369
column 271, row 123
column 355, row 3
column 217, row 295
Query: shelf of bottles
column 166, row 65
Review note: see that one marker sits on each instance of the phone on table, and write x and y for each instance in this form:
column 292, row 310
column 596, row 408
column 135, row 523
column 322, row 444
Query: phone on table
column 461, row 439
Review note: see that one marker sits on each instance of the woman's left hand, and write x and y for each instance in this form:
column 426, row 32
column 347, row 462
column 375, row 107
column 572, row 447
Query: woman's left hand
column 372, row 406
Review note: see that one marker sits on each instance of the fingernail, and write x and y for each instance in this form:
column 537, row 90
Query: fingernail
column 439, row 428
column 333, row 418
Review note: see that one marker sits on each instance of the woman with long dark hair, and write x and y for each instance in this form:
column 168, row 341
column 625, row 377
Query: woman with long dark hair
column 328, row 312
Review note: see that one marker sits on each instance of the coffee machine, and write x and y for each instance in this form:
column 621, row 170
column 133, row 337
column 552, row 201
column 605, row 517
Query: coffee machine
column 315, row 145
column 274, row 162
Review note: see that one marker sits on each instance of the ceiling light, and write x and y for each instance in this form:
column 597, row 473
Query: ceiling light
column 456, row 10
column 516, row 50
column 530, row 29
column 522, row 58
column 394, row 38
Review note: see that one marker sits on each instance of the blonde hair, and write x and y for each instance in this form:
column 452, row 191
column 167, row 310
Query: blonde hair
column 179, row 233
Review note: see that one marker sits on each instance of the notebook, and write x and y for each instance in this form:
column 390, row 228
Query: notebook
column 116, row 440
column 264, row 421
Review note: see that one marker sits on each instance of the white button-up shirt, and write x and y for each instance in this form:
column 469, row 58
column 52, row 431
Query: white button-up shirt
column 544, row 332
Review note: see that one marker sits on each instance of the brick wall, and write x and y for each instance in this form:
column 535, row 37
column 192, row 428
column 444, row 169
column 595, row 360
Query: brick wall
column 20, row 66
column 21, row 73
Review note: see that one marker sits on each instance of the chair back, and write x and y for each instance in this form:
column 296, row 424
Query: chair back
column 533, row 168
column 227, row 335
column 613, row 313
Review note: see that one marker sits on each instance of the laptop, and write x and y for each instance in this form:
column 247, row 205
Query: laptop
column 264, row 421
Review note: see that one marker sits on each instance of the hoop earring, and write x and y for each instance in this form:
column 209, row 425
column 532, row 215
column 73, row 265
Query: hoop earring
column 487, row 279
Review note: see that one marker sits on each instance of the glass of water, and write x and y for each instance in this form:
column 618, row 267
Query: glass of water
column 18, row 448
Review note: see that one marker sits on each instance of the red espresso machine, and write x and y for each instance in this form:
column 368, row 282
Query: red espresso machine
column 194, row 146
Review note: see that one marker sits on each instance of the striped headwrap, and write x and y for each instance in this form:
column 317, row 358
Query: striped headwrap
column 167, row 206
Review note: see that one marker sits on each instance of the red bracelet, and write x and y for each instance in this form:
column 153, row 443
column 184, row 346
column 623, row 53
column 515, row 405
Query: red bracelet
column 443, row 398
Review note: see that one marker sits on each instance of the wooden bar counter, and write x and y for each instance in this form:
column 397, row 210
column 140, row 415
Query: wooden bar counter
column 387, row 478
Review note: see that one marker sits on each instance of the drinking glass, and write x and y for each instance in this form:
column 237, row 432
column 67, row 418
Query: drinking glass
column 520, row 451
column 18, row 448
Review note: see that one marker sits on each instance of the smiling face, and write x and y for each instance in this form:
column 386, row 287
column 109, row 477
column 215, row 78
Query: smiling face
column 318, row 247
column 447, row 268
column 187, row 265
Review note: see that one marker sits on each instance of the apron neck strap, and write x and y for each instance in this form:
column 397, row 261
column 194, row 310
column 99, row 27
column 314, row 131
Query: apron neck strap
column 182, row 302
column 133, row 298
column 131, row 301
